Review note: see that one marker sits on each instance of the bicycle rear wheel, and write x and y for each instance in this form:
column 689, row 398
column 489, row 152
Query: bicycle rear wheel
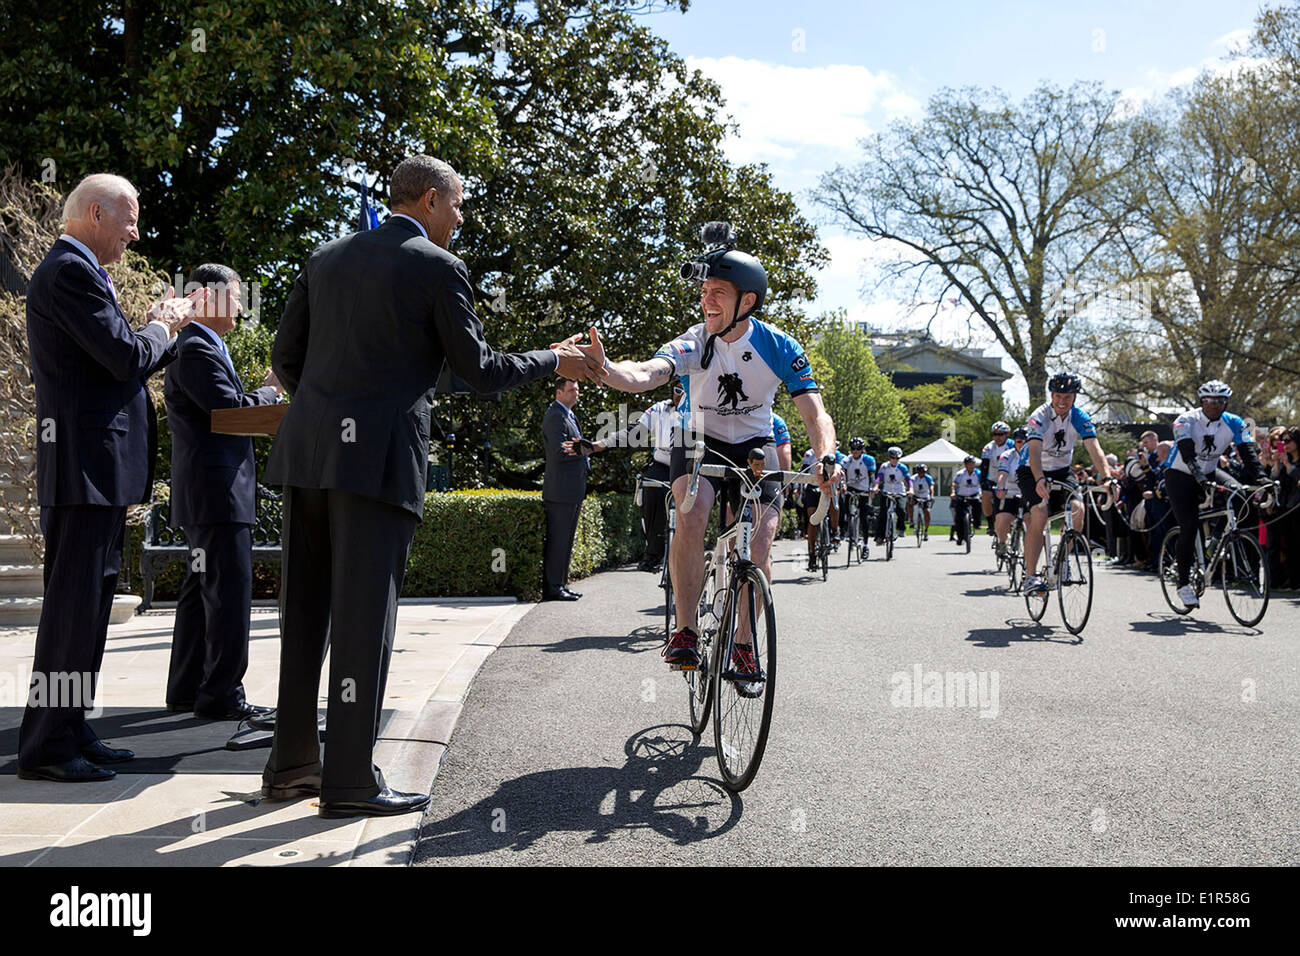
column 1015, row 560
column 920, row 519
column 889, row 532
column 1169, row 572
column 699, row 686
column 1244, row 578
column 1074, row 580
column 744, row 707
column 852, row 539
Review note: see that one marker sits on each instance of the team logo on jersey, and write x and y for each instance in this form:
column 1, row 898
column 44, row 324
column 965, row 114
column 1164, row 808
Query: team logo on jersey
column 747, row 356
column 1058, row 440
column 800, row 363
column 1207, row 446
column 731, row 389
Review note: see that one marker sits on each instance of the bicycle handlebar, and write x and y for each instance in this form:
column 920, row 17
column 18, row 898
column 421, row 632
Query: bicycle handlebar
column 786, row 479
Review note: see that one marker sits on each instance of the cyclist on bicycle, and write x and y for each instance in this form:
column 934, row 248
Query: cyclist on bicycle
column 859, row 471
column 1201, row 436
column 893, row 478
column 989, row 469
column 1009, row 503
column 732, row 364
column 965, row 496
column 838, row 505
column 923, row 495
column 1053, row 428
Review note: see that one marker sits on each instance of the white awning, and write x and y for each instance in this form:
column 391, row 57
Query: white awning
column 938, row 452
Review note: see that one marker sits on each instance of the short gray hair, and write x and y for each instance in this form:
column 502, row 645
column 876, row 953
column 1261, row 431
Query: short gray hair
column 106, row 189
column 212, row 273
column 416, row 175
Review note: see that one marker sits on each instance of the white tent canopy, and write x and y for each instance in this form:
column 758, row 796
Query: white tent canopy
column 938, row 452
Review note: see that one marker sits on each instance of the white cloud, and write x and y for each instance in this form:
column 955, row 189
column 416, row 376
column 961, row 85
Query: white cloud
column 783, row 110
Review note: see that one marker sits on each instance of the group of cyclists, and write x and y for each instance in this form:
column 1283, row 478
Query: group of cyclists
column 729, row 367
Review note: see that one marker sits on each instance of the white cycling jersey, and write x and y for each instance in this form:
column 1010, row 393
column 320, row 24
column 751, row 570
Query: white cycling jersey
column 894, row 479
column 859, row 471
column 1009, row 461
column 968, row 483
column 993, row 451
column 731, row 400
column 923, row 487
column 1057, row 435
column 1212, row 439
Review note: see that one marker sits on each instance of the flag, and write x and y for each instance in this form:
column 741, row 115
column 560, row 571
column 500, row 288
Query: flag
column 368, row 219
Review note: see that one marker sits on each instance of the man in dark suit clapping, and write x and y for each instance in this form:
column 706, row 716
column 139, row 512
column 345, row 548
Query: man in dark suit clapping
column 564, row 485
column 369, row 324
column 97, row 438
column 213, row 497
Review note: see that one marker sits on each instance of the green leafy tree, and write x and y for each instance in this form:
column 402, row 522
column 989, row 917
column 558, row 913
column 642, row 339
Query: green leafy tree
column 975, row 424
column 860, row 398
column 235, row 119
column 931, row 409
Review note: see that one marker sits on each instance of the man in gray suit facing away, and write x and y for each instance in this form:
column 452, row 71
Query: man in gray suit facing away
column 563, row 488
column 366, row 330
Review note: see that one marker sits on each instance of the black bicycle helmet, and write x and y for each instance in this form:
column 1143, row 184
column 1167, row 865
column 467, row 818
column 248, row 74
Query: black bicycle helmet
column 1064, row 382
column 856, row 443
column 1020, row 433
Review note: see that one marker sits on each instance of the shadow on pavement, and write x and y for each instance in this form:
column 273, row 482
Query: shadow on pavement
column 1168, row 624
column 659, row 788
column 1020, row 631
column 645, row 638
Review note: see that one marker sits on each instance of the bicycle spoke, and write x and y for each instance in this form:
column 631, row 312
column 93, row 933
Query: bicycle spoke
column 744, row 708
column 1244, row 577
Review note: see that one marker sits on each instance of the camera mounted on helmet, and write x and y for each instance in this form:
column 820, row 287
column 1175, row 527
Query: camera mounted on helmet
column 722, row 260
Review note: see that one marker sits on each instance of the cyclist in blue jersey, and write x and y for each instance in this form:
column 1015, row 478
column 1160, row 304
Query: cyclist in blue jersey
column 1052, row 429
column 1009, row 503
column 732, row 364
column 1201, row 436
column 989, row 470
column 859, row 473
column 965, row 496
column 892, row 478
column 923, row 496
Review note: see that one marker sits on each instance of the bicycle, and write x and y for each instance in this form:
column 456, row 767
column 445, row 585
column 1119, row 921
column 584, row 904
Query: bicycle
column 824, row 545
column 665, row 576
column 961, row 518
column 1244, row 577
column 1069, row 570
column 853, row 513
column 734, row 585
column 1014, row 557
column 892, row 503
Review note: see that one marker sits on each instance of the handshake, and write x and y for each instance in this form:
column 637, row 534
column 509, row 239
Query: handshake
column 579, row 360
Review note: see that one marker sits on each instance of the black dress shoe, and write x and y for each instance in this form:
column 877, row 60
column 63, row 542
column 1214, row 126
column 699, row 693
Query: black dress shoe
column 308, row 785
column 573, row 595
column 238, row 712
column 76, row 770
column 184, row 708
column 385, row 803
column 560, row 596
column 100, row 752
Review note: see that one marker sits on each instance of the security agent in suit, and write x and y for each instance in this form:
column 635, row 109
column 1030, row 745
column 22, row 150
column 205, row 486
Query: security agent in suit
column 564, row 485
column 369, row 324
column 97, row 439
column 213, row 498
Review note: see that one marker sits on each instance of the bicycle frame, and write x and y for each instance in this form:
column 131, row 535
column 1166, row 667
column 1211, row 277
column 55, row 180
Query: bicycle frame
column 1203, row 518
column 1074, row 493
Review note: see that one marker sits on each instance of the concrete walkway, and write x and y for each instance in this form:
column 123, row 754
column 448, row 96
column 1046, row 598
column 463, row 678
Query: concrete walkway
column 186, row 819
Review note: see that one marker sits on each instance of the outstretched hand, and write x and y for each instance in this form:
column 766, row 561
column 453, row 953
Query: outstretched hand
column 582, row 363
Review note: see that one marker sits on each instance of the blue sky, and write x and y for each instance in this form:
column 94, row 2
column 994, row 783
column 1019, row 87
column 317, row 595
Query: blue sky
column 805, row 81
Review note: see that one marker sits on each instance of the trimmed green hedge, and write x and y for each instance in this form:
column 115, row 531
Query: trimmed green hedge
column 471, row 543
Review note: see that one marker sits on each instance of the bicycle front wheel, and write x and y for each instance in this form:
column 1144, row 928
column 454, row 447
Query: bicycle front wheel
column 699, row 686
column 1169, row 572
column 920, row 517
column 744, row 698
column 889, row 533
column 1074, row 580
column 1244, row 577
column 1014, row 558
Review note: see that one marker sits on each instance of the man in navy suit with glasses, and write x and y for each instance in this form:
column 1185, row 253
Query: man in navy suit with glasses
column 96, row 442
